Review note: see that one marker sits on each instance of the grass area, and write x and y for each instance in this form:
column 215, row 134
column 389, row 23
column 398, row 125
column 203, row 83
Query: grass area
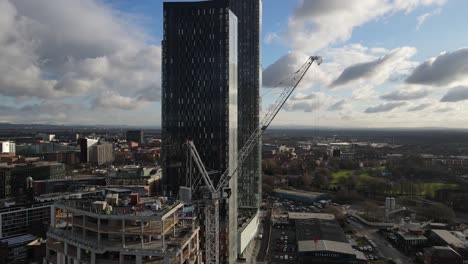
column 361, row 242
column 423, row 189
column 430, row 188
column 346, row 174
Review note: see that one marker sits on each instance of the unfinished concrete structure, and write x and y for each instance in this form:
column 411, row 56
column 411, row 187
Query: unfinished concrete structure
column 150, row 230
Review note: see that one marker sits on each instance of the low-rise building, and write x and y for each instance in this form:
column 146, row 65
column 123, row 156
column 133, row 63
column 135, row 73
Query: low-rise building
column 41, row 187
column 132, row 175
column 441, row 237
column 441, row 255
column 410, row 240
column 300, row 196
column 320, row 239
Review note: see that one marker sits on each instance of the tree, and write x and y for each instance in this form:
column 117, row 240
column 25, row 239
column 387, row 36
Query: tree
column 371, row 209
column 307, row 179
column 271, row 167
column 439, row 212
column 322, row 177
column 338, row 213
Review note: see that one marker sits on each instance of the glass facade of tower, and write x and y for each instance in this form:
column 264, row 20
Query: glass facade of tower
column 249, row 15
column 199, row 100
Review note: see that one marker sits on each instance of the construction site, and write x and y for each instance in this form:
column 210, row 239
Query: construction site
column 113, row 229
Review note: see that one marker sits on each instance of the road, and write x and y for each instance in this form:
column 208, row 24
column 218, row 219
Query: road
column 266, row 237
column 384, row 248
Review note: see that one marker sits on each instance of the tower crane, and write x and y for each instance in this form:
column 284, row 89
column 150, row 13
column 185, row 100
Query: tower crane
column 211, row 193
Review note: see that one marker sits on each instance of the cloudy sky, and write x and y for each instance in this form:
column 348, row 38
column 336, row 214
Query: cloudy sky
column 387, row 63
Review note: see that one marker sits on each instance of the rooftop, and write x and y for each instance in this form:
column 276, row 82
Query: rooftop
column 319, row 229
column 148, row 207
column 411, row 236
column 325, row 245
column 445, row 252
column 449, row 238
column 298, row 193
column 293, row 215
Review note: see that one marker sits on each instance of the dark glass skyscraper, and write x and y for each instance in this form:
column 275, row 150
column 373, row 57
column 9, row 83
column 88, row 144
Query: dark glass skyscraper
column 249, row 16
column 211, row 85
column 199, row 99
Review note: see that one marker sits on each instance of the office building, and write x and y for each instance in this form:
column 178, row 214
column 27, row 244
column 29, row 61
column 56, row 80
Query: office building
column 7, row 147
column 135, row 136
column 249, row 17
column 20, row 225
column 85, row 145
column 116, row 229
column 199, row 100
column 68, row 157
column 147, row 178
column 42, row 148
column 46, row 137
column 101, row 154
column 14, row 178
column 42, row 187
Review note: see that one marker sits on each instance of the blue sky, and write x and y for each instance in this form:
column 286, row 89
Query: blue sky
column 388, row 63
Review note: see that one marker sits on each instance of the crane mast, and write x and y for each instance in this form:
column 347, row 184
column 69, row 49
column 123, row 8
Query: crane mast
column 212, row 193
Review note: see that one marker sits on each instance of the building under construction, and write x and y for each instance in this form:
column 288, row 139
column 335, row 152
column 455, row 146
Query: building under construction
column 113, row 229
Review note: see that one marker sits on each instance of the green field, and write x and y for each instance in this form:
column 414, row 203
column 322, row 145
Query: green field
column 430, row 188
column 346, row 174
column 423, row 189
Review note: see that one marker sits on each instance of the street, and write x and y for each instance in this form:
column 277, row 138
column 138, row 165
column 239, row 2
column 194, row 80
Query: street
column 385, row 249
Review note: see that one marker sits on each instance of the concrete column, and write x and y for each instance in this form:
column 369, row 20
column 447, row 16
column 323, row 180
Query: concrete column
column 52, row 215
column 150, row 231
column 162, row 233
column 93, row 258
column 138, row 259
column 78, row 253
column 141, row 235
column 174, row 223
column 123, row 233
column 99, row 231
column 121, row 258
column 84, row 230
column 73, row 224
column 65, row 248
column 167, row 260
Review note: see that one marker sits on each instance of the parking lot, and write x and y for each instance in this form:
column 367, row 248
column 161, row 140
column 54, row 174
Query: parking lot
column 283, row 247
column 282, row 244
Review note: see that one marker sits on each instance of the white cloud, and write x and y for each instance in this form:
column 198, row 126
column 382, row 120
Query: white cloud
column 422, row 18
column 110, row 99
column 378, row 70
column 384, row 107
column 287, row 65
column 406, row 93
column 419, row 107
column 309, row 103
column 449, row 68
column 60, row 49
column 318, row 24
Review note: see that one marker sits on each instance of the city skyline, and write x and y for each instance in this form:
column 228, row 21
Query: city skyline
column 100, row 62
